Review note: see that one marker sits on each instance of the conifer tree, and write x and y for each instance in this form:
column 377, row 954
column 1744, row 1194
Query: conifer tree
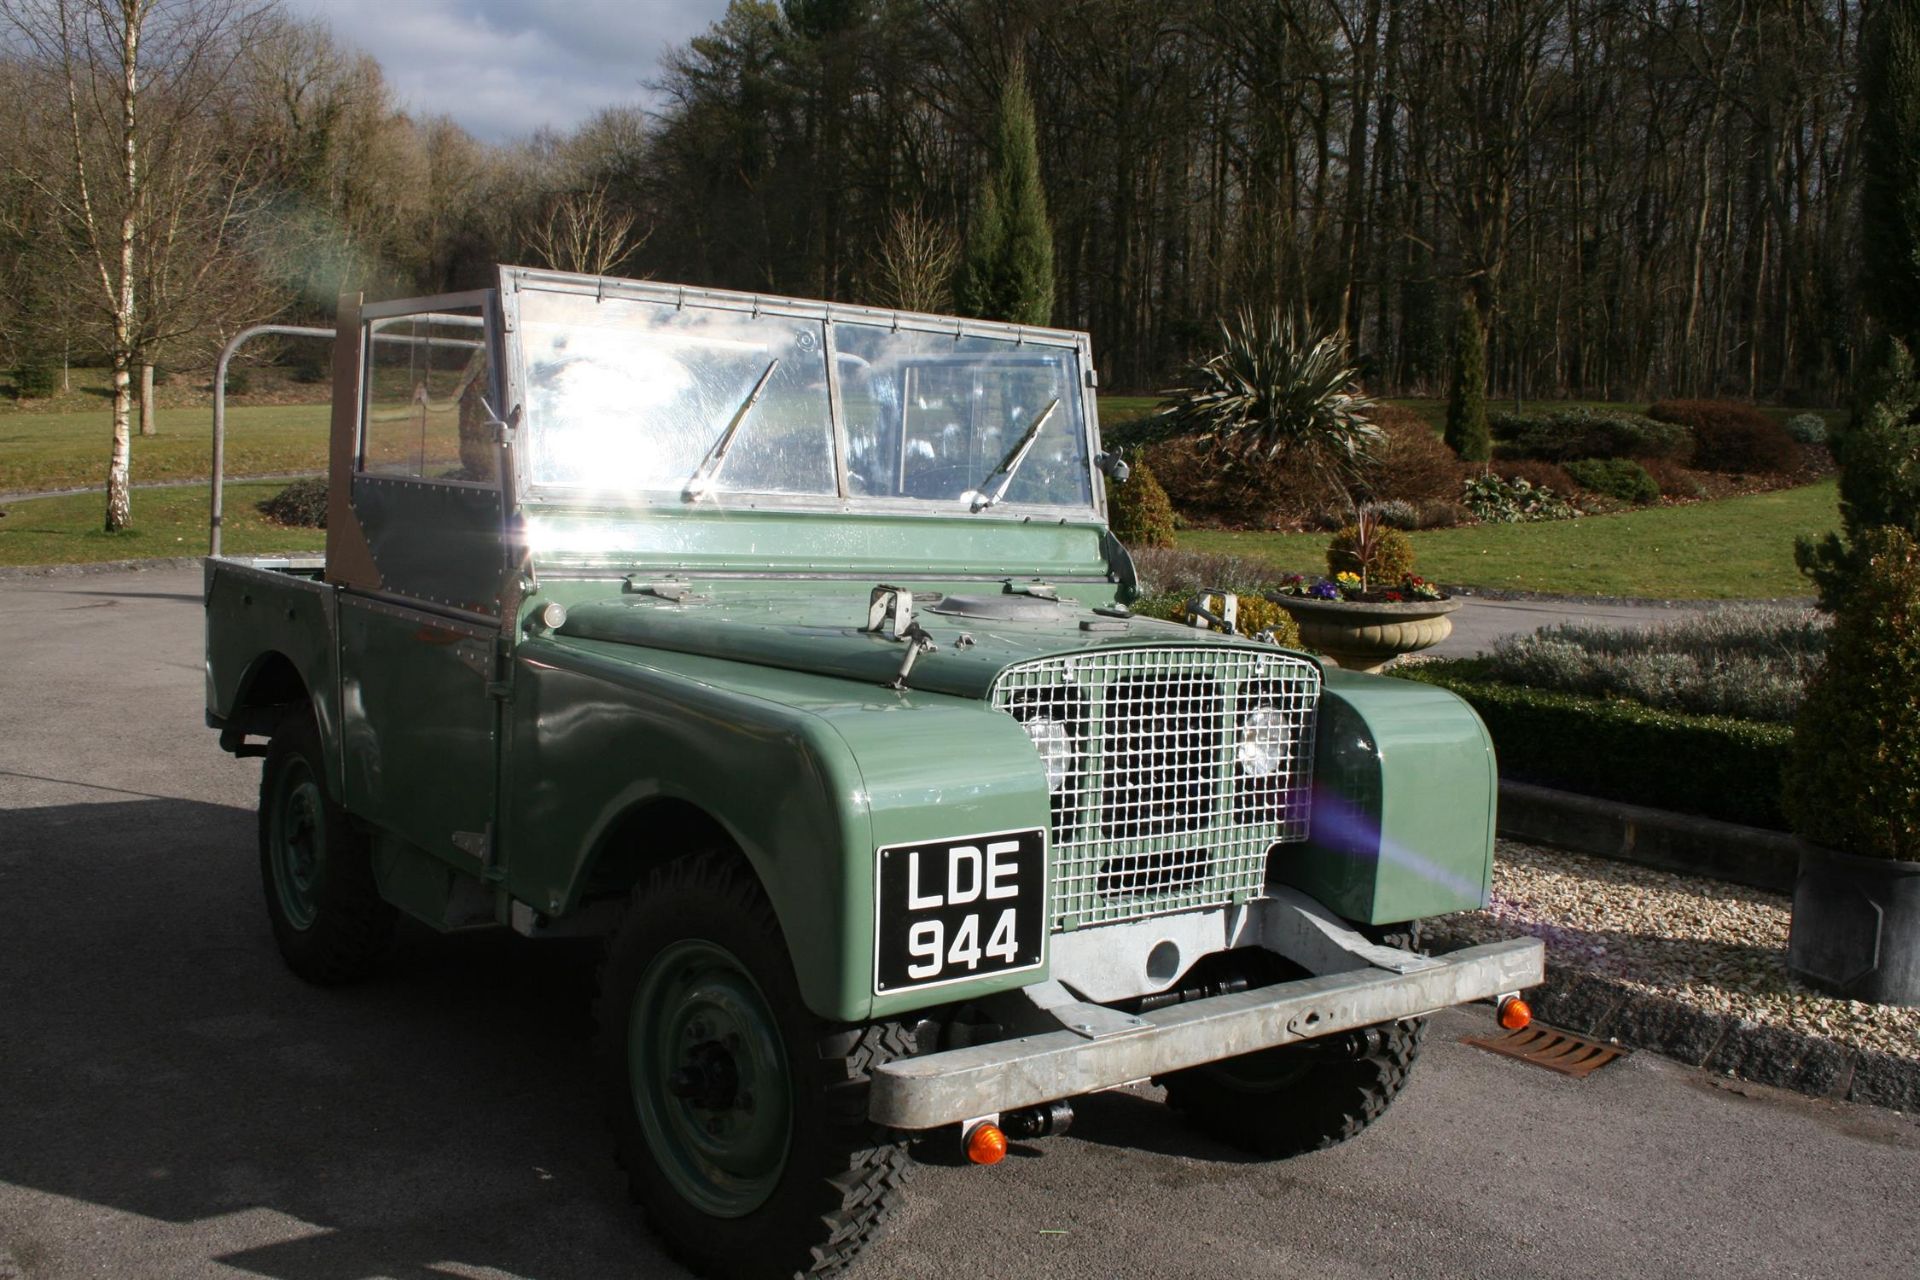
column 1890, row 161
column 1007, row 273
column 1467, row 431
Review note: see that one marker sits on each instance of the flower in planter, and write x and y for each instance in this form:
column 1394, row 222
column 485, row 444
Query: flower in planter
column 1325, row 590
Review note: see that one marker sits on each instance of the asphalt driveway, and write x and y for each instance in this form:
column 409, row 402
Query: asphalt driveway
column 174, row 1103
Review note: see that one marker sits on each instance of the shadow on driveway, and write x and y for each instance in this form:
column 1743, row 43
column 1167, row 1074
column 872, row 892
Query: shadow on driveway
column 159, row 1061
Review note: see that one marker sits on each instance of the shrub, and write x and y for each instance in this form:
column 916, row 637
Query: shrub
column 301, row 505
column 1621, row 478
column 1278, row 388
column 1711, row 765
column 1138, row 511
column 1255, row 615
column 1410, row 462
column 1443, row 514
column 1396, row 514
column 312, row 370
column 1183, row 573
column 239, row 380
column 1379, row 555
column 1500, row 501
column 1249, row 492
column 1807, row 428
column 1567, row 434
column 1879, row 487
column 1854, row 783
column 1751, row 663
column 1674, row 480
column 34, row 381
column 1731, row 437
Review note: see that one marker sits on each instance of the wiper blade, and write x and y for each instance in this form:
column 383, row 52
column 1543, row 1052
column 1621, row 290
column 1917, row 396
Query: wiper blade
column 1010, row 464
column 700, row 483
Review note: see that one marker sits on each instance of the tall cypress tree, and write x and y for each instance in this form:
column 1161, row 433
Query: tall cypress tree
column 1890, row 158
column 1007, row 273
column 1467, row 431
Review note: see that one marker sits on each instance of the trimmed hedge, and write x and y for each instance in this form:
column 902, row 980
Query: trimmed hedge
column 1710, row 765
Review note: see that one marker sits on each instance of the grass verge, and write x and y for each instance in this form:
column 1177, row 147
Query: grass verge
column 1737, row 548
column 69, row 450
column 167, row 522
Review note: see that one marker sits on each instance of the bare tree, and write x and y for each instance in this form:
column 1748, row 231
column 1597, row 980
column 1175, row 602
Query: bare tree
column 914, row 263
column 143, row 196
column 583, row 231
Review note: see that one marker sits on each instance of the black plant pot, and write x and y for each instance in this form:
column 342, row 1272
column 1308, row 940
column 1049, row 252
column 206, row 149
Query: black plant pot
column 1856, row 926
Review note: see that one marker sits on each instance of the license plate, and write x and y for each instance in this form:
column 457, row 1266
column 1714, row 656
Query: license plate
column 951, row 910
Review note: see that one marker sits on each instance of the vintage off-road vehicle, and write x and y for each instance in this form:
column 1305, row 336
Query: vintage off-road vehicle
column 784, row 646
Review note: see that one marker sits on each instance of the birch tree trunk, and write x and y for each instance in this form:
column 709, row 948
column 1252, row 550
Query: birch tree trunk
column 119, row 477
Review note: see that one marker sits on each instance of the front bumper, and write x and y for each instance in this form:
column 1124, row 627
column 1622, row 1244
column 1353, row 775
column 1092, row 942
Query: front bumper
column 960, row 1084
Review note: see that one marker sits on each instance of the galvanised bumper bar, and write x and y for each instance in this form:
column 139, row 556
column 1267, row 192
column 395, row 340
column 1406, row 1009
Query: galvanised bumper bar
column 941, row 1088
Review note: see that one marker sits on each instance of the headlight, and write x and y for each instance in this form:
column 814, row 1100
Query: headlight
column 1056, row 749
column 1263, row 741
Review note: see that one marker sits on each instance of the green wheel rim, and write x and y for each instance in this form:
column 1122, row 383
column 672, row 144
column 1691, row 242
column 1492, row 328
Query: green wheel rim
column 297, row 843
column 709, row 1078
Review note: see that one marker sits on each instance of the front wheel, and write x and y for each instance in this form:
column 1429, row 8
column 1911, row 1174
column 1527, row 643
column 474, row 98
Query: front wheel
column 1305, row 1096
column 1300, row 1097
column 317, row 870
column 739, row 1116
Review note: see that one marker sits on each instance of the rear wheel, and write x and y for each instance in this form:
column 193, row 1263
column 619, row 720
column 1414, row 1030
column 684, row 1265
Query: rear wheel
column 328, row 917
column 1305, row 1096
column 739, row 1116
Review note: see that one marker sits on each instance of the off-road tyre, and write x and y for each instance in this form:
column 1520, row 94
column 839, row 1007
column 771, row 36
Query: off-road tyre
column 330, row 921
column 1306, row 1096
column 837, row 1181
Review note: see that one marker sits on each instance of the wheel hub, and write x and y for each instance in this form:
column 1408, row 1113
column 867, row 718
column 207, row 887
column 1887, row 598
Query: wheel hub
column 709, row 1078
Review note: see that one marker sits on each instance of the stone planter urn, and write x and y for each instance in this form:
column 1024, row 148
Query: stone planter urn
column 1856, row 926
column 1366, row 637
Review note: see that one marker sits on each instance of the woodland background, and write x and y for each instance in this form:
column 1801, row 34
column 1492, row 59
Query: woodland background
column 1641, row 197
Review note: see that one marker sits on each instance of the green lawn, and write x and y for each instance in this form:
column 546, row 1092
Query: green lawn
column 166, row 522
column 69, row 450
column 1740, row 548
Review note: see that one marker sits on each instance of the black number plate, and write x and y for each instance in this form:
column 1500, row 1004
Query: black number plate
column 950, row 910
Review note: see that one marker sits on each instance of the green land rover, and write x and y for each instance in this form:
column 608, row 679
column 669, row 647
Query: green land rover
column 783, row 646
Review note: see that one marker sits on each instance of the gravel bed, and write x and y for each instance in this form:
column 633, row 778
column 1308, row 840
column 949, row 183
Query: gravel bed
column 1709, row 944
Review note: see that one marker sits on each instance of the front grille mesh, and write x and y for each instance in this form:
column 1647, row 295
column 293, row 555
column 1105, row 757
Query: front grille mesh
column 1158, row 812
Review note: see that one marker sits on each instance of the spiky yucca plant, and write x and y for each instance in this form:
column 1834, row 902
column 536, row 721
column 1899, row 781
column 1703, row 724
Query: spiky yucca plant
column 1278, row 389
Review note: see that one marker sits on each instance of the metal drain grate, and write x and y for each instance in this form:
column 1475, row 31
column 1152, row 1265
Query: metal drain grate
column 1550, row 1047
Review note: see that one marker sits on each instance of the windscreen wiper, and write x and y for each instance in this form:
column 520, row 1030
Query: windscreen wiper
column 700, row 483
column 1011, row 463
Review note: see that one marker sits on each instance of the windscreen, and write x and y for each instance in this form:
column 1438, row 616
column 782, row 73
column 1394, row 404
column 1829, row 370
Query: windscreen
column 933, row 416
column 644, row 397
column 636, row 396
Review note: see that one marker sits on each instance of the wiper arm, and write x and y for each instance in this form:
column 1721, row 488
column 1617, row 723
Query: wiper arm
column 1010, row 464
column 700, row 483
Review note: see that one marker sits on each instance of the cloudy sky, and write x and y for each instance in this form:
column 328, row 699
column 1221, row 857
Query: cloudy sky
column 503, row 68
